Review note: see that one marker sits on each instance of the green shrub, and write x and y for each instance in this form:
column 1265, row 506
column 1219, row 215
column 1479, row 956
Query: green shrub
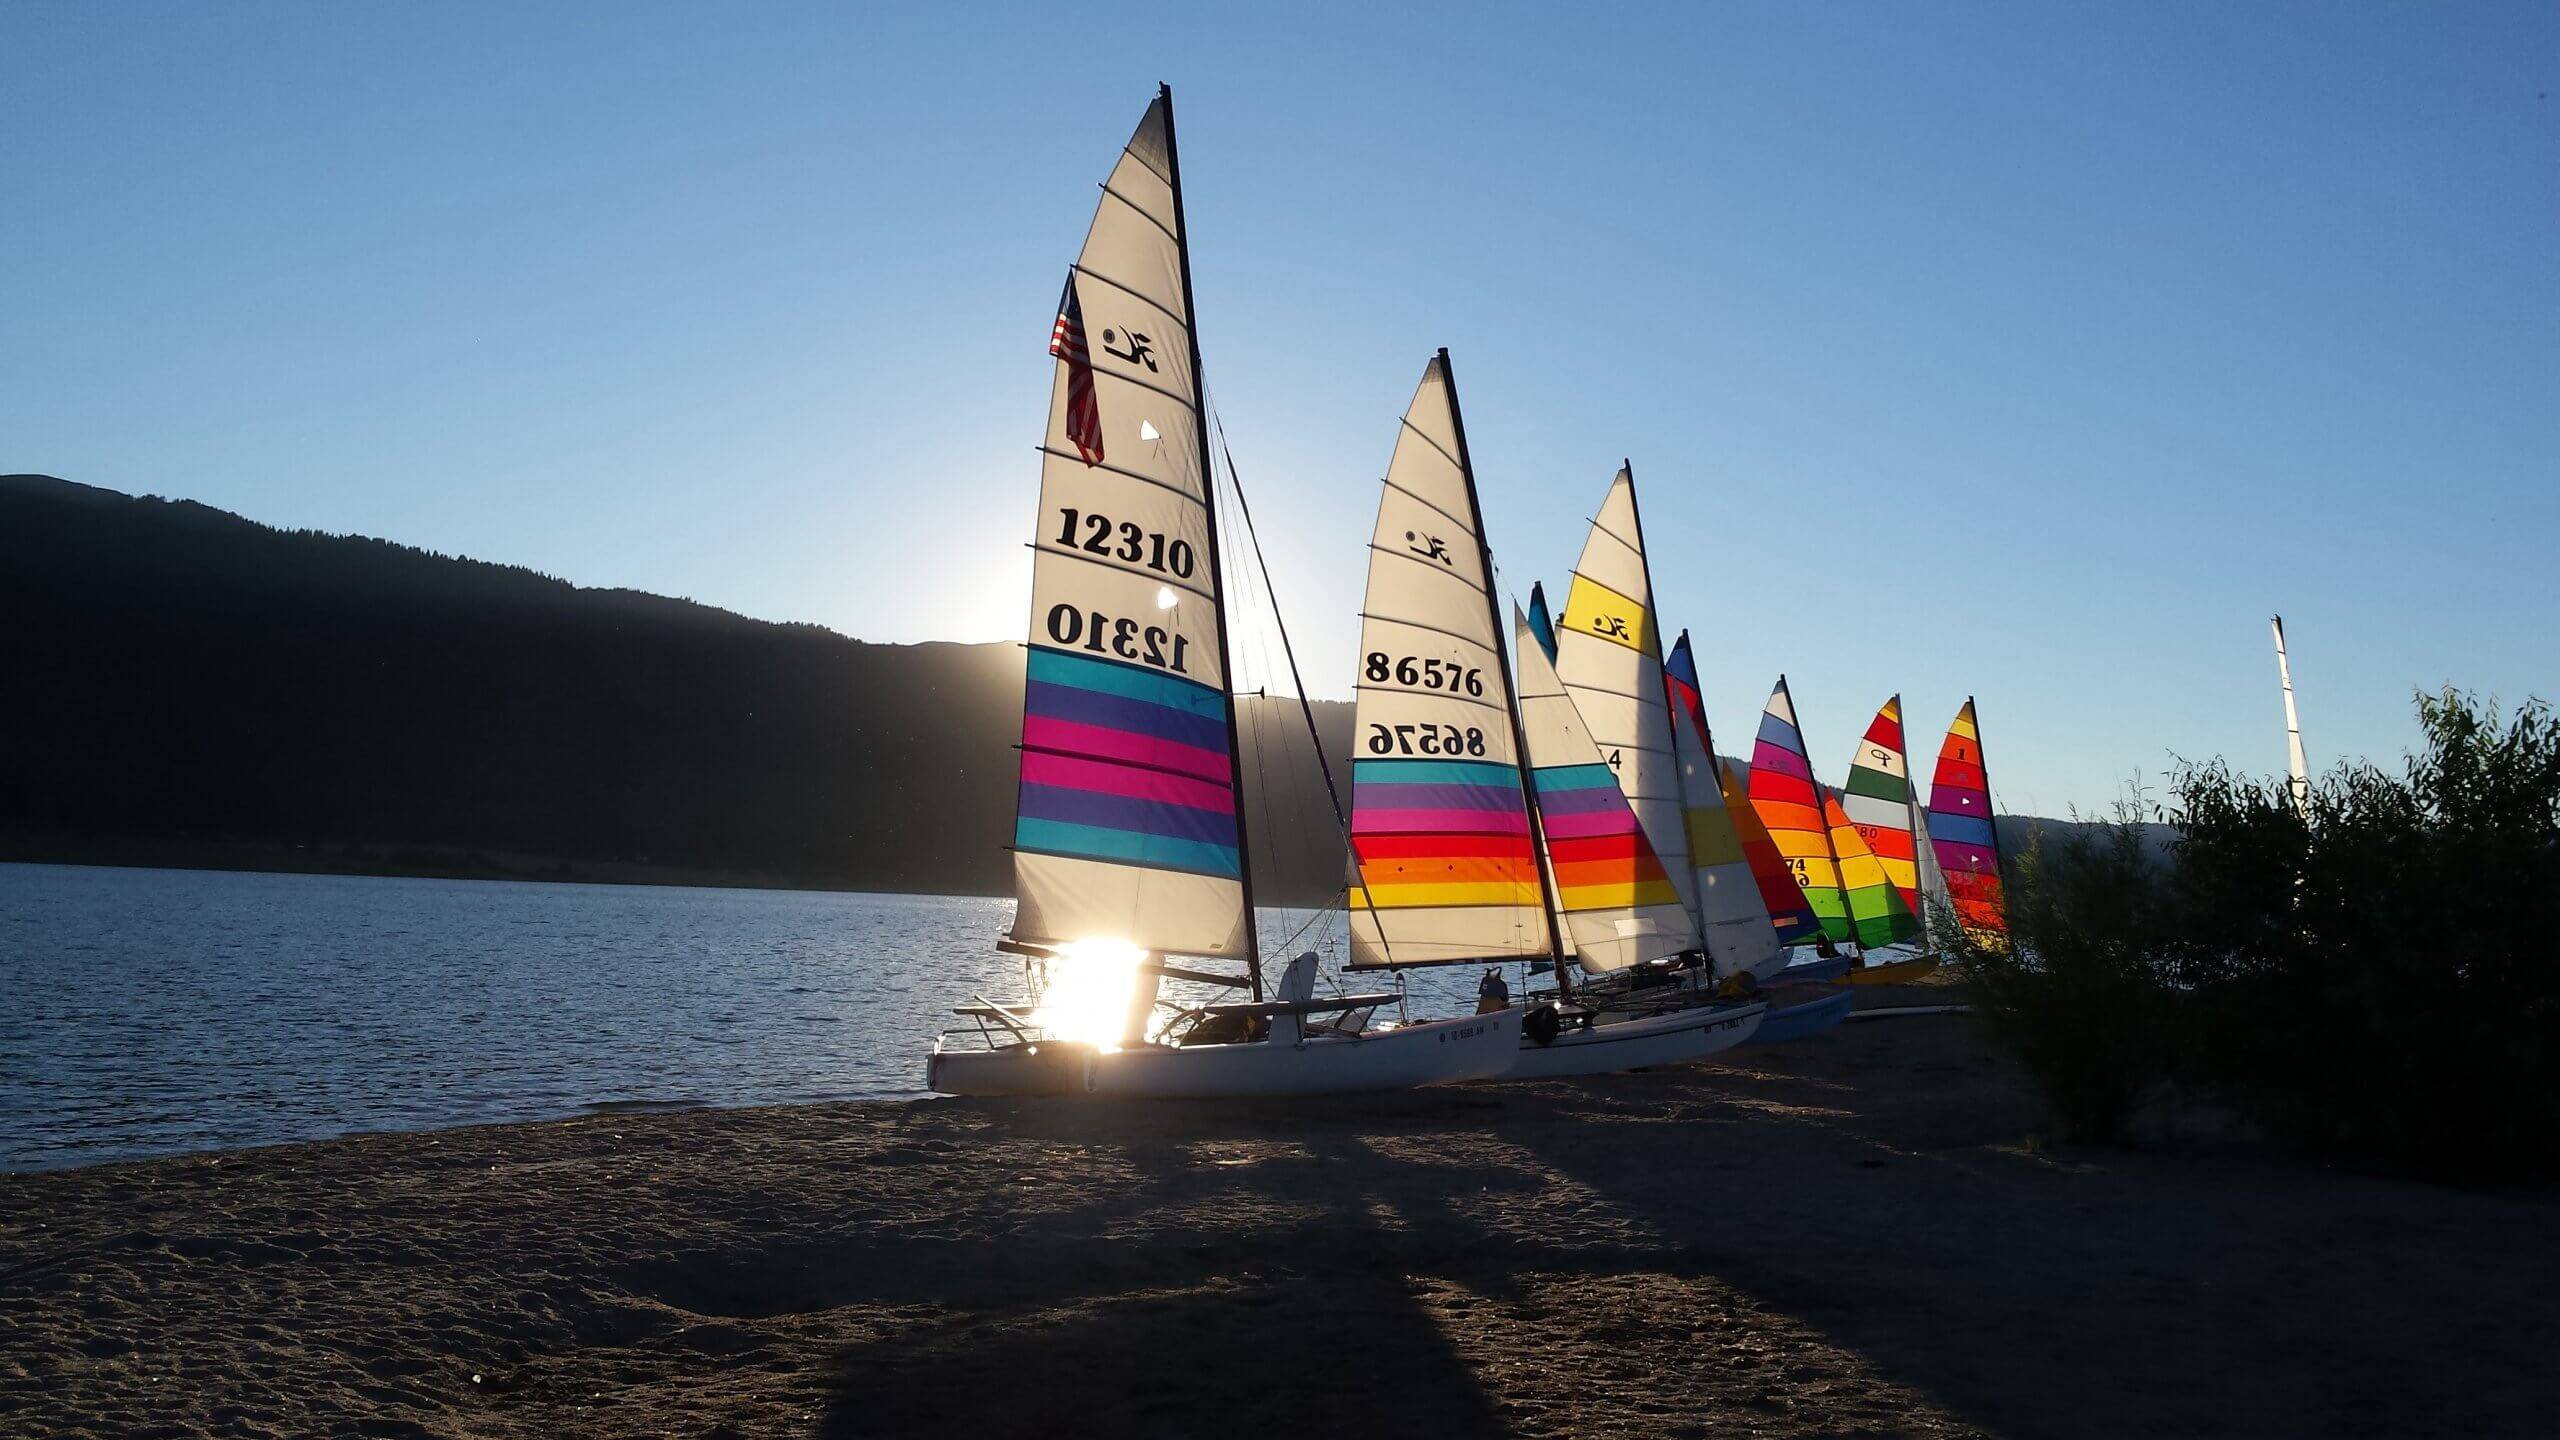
column 2369, row 981
column 2080, row 994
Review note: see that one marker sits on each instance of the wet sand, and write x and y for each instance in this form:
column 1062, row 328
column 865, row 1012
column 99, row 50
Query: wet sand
column 1845, row 1236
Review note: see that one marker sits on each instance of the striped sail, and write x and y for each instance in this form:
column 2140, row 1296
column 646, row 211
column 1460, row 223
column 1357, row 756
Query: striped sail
column 1126, row 826
column 1440, row 831
column 1878, row 800
column 1780, row 896
column 1961, row 830
column 1730, row 913
column 1541, row 624
column 1877, row 914
column 1619, row 905
column 1784, row 796
column 1609, row 656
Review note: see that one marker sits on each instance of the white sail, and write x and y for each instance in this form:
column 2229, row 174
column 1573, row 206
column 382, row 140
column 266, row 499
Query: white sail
column 1127, row 826
column 2300, row 781
column 1619, row 905
column 1609, row 656
column 1935, row 899
column 1731, row 916
column 1440, row 828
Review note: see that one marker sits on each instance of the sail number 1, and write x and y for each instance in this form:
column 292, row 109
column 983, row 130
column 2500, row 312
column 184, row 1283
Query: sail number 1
column 1098, row 535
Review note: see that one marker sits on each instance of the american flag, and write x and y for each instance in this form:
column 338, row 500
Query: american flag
column 1066, row 341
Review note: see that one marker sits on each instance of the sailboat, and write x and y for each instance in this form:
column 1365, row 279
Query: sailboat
column 1880, row 805
column 1480, row 832
column 1962, row 835
column 1130, row 838
column 1743, row 938
column 2298, row 780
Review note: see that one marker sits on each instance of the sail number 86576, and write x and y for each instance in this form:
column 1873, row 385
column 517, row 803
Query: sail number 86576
column 1425, row 740
column 1423, row 673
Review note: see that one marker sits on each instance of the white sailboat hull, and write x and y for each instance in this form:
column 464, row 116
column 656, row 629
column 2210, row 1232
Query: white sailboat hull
column 1673, row 1038
column 1443, row 1052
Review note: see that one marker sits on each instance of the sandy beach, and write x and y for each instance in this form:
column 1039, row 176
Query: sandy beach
column 1847, row 1236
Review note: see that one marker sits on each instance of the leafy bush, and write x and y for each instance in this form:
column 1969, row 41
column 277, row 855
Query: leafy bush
column 2368, row 981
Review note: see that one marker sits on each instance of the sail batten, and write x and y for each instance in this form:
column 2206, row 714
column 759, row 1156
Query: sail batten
column 1443, row 847
column 1127, row 823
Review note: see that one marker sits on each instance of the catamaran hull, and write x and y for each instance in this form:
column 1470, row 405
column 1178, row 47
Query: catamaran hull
column 1670, row 1039
column 1443, row 1052
column 1796, row 1020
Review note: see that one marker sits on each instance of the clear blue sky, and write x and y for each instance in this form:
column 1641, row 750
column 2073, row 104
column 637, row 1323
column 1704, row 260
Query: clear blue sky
column 2033, row 351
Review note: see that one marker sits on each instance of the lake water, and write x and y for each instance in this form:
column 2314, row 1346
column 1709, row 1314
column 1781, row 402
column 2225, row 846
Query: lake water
column 157, row 1012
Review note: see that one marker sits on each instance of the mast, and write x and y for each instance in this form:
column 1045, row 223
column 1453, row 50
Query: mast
column 1653, row 638
column 1990, row 812
column 2300, row 782
column 1217, row 576
column 1502, row 656
column 1822, row 805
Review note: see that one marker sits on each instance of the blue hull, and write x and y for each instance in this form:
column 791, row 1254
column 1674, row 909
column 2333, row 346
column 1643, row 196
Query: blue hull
column 1794, row 1022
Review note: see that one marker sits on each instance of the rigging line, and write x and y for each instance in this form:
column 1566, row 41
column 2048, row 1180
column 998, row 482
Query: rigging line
column 1324, row 763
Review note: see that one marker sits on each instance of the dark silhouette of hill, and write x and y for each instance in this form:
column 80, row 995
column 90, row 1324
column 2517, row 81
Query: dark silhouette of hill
column 186, row 686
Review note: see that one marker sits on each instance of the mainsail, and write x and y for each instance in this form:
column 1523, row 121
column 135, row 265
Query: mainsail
column 1877, row 914
column 1878, row 800
column 2299, row 778
column 1127, row 827
column 1730, row 913
column 1609, row 656
column 1961, row 828
column 1440, row 823
column 1541, row 624
column 1619, row 904
column 1789, row 804
column 1780, row 896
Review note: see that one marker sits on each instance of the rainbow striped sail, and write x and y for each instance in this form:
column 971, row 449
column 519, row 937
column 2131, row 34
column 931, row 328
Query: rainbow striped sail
column 1780, row 896
column 1877, row 915
column 1730, row 913
column 1616, row 897
column 1878, row 801
column 1789, row 805
column 1961, row 829
column 1127, row 827
column 1440, row 830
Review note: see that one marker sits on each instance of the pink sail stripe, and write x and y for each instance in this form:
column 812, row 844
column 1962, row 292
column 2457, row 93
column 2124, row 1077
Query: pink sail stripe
column 1460, row 822
column 1108, row 779
column 1617, row 821
column 1040, row 732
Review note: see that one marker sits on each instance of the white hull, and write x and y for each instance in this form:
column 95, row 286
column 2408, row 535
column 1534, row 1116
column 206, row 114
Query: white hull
column 1475, row 1047
column 1667, row 1039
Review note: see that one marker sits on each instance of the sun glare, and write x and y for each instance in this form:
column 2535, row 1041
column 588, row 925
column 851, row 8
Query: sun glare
column 1091, row 983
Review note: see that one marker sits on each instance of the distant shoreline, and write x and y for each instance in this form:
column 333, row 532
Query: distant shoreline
column 417, row 862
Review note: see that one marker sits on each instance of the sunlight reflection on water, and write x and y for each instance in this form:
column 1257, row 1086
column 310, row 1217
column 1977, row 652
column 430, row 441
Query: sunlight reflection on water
column 156, row 1012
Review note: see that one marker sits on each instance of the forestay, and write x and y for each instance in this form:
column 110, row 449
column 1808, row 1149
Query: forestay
column 1609, row 656
column 1961, row 830
column 1127, row 825
column 1731, row 916
column 1440, row 831
column 1619, row 905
